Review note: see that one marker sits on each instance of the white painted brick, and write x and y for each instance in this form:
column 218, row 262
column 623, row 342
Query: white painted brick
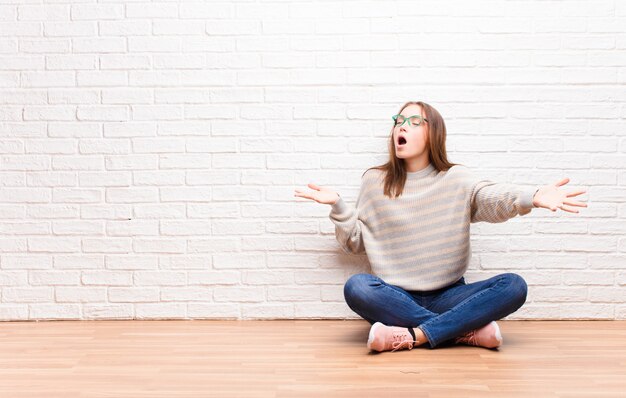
column 211, row 145
column 74, row 130
column 54, row 245
column 268, row 243
column 132, row 195
column 214, row 245
column 154, row 78
column 158, row 145
column 108, row 311
column 24, row 228
column 607, row 294
column 213, row 278
column 154, row 44
column 327, row 310
column 185, row 262
column 27, row 294
column 185, row 161
column 297, row 227
column 215, row 177
column 11, row 212
column 159, row 178
column 160, row 278
column 69, row 29
column 132, row 228
column 30, row 262
column 135, row 27
column 80, row 294
column 265, row 210
column 159, row 211
column 161, row 311
column 239, row 294
column 227, row 161
column 103, row 113
column 106, row 179
column 13, row 312
column 185, row 228
column 68, row 195
column 228, row 227
column 137, row 162
column 588, row 277
column 71, row 62
column 97, row 12
column 188, row 294
column 130, row 129
column 54, row 311
column 75, row 227
column 53, row 211
column 158, row 246
column 25, row 163
column 110, row 212
column 74, row 96
column 133, row 294
column 106, row 278
column 243, row 194
column 22, row 63
column 291, row 261
column 239, row 261
column 213, row 311
column 106, row 245
column 268, row 311
column 192, row 194
column 557, row 294
column 131, row 262
column 176, row 61
column 81, row 261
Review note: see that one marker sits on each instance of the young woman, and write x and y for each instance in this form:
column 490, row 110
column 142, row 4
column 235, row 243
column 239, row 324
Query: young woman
column 412, row 219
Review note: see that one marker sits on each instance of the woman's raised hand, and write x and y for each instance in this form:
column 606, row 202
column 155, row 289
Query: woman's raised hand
column 319, row 194
column 552, row 198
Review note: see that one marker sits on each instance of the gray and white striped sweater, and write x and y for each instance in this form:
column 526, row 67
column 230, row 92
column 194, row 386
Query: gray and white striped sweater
column 420, row 241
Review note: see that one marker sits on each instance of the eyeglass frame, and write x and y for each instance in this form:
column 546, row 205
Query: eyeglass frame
column 420, row 117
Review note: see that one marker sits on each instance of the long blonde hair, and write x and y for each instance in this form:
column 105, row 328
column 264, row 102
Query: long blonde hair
column 395, row 169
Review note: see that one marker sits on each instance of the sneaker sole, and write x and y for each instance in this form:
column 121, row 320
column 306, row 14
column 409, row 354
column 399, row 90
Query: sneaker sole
column 498, row 334
column 370, row 338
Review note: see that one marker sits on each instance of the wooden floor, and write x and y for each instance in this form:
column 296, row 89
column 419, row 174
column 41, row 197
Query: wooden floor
column 302, row 359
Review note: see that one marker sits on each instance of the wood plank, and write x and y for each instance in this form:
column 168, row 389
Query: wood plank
column 302, row 358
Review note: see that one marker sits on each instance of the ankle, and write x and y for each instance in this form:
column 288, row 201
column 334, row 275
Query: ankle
column 420, row 337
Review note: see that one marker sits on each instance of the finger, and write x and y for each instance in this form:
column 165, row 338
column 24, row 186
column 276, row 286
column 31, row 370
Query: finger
column 574, row 203
column 568, row 209
column 303, row 195
column 562, row 182
column 575, row 193
column 314, row 186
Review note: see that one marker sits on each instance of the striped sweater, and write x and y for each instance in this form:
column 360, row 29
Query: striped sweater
column 420, row 241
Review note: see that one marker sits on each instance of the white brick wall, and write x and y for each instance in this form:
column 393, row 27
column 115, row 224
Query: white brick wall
column 149, row 150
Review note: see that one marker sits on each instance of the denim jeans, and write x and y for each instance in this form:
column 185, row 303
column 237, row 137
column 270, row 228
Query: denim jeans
column 442, row 314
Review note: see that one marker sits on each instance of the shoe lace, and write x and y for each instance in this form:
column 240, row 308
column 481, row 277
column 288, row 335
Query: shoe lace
column 469, row 338
column 400, row 341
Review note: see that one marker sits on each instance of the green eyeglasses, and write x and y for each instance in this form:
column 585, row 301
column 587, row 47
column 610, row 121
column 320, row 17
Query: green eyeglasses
column 414, row 120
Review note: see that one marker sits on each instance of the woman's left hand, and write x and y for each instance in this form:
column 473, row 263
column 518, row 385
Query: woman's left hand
column 551, row 197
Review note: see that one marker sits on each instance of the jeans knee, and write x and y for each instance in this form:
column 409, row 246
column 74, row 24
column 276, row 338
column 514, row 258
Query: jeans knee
column 356, row 287
column 518, row 288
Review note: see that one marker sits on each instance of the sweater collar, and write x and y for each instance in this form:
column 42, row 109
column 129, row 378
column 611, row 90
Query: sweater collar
column 417, row 175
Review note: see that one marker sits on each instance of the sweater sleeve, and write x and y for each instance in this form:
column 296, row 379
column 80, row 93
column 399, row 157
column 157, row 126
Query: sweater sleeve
column 348, row 227
column 496, row 202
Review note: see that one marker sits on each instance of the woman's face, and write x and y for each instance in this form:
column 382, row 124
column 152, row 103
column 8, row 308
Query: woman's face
column 410, row 140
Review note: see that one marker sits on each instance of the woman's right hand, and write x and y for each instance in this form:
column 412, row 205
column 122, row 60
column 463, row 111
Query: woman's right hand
column 319, row 194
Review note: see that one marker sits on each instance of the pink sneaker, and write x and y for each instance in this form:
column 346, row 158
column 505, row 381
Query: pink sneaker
column 488, row 336
column 385, row 338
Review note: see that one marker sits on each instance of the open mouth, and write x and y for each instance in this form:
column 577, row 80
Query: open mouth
column 401, row 141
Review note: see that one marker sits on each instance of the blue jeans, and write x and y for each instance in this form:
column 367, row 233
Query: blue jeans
column 442, row 314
